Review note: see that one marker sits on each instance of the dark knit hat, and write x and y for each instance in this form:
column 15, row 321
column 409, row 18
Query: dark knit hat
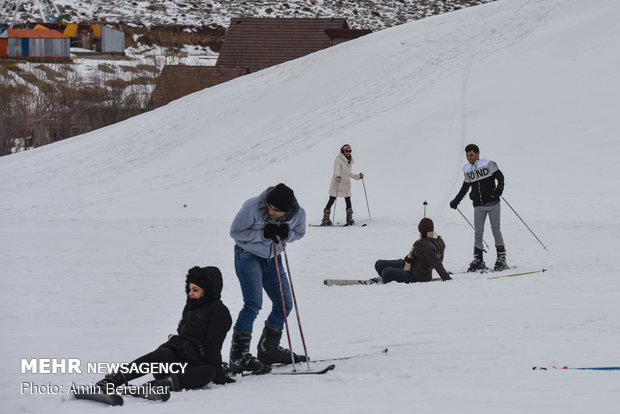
column 426, row 226
column 281, row 197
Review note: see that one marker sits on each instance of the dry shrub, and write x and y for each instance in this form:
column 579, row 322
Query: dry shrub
column 105, row 68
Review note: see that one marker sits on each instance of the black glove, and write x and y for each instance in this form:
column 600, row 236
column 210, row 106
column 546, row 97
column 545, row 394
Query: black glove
column 270, row 231
column 283, row 231
column 454, row 204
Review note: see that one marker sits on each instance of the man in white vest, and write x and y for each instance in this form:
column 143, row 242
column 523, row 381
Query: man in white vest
column 487, row 185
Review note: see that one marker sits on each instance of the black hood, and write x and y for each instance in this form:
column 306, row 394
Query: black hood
column 208, row 278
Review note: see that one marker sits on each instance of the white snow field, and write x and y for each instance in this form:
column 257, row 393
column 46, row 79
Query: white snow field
column 98, row 231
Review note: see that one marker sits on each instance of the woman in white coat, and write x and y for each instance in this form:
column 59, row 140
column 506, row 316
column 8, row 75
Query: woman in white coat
column 340, row 185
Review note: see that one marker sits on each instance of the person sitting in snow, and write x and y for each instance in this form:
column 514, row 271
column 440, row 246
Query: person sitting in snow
column 425, row 255
column 204, row 323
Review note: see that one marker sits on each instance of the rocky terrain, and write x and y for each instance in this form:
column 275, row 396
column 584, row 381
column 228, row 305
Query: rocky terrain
column 368, row 14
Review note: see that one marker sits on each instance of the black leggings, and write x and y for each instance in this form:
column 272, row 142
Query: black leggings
column 347, row 201
column 195, row 376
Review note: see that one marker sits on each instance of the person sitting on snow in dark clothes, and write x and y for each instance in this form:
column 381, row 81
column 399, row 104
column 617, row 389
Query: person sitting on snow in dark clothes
column 425, row 255
column 201, row 332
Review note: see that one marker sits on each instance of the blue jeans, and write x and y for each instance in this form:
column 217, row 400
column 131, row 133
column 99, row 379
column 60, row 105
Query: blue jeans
column 255, row 274
column 392, row 271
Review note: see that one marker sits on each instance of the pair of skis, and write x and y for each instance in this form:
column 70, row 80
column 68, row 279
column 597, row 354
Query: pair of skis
column 324, row 370
column 339, row 225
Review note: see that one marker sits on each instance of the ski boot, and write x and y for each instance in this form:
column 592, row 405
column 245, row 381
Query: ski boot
column 240, row 358
column 375, row 280
column 350, row 220
column 270, row 351
column 326, row 221
column 477, row 264
column 500, row 263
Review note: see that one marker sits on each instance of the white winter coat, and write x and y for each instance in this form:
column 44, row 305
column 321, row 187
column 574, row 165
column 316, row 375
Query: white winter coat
column 342, row 169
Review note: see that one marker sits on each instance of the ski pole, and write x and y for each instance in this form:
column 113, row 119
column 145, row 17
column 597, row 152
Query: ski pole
column 288, row 334
column 528, row 227
column 518, row 274
column 468, row 222
column 366, row 195
column 425, row 203
column 290, row 281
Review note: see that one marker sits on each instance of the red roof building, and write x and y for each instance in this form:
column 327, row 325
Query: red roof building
column 258, row 43
column 177, row 81
column 252, row 44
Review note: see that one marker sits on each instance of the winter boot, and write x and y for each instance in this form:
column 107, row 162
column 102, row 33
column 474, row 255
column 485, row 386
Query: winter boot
column 500, row 263
column 270, row 351
column 240, row 358
column 326, row 221
column 350, row 220
column 108, row 384
column 477, row 263
column 156, row 390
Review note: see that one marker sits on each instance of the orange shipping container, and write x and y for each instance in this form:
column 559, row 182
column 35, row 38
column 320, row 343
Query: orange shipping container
column 4, row 48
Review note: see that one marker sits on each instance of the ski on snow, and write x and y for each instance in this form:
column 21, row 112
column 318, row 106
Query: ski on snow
column 382, row 351
column 92, row 394
column 349, row 282
column 485, row 270
column 342, row 358
column 339, row 225
column 87, row 393
column 294, row 372
column 305, row 372
column 498, row 273
column 579, row 368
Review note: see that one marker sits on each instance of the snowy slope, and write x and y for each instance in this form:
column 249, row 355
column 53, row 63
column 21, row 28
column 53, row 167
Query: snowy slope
column 96, row 239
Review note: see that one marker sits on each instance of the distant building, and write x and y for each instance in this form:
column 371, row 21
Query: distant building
column 177, row 81
column 258, row 43
column 94, row 37
column 37, row 44
column 252, row 44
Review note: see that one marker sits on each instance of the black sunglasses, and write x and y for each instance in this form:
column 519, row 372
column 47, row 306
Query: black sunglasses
column 348, row 151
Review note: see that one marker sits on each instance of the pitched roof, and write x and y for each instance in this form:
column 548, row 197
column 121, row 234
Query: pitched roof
column 177, row 81
column 36, row 34
column 258, row 43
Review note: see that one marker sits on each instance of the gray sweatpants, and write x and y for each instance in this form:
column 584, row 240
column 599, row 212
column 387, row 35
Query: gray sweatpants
column 480, row 216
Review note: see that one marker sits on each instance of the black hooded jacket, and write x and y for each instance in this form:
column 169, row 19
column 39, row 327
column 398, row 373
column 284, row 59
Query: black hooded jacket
column 204, row 323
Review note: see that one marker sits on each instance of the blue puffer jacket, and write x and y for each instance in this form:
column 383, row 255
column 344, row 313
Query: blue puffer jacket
column 247, row 227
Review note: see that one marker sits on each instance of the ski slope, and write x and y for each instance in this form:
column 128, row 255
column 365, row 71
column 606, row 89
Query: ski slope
column 99, row 230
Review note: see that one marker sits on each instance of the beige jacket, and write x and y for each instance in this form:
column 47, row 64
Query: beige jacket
column 342, row 170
